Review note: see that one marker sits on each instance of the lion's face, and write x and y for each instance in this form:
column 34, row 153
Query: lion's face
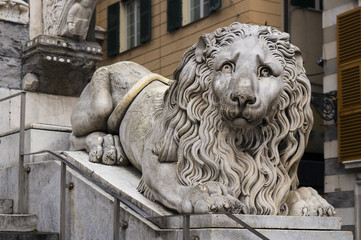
column 247, row 81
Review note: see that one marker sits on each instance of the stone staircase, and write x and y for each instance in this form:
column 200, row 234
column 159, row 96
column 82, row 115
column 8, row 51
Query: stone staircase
column 20, row 226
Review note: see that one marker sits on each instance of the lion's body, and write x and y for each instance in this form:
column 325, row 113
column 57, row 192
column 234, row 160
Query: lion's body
column 227, row 135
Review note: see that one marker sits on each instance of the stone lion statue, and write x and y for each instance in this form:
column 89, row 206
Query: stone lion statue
column 226, row 135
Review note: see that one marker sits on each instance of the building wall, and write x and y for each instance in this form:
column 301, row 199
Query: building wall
column 339, row 182
column 164, row 51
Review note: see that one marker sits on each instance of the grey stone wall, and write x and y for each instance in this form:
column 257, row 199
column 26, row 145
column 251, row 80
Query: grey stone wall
column 12, row 36
column 339, row 182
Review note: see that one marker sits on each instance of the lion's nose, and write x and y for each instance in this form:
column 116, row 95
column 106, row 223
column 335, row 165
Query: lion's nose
column 243, row 99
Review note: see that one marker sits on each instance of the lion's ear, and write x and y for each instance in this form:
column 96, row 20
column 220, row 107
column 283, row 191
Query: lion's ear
column 201, row 48
column 299, row 61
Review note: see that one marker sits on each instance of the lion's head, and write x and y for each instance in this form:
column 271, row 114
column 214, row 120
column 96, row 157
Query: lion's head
column 239, row 113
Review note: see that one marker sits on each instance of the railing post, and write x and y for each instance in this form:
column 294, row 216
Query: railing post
column 116, row 210
column 62, row 200
column 21, row 178
column 186, row 227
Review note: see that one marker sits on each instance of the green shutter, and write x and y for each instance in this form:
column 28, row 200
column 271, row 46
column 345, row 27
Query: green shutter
column 214, row 5
column 113, row 29
column 145, row 20
column 174, row 14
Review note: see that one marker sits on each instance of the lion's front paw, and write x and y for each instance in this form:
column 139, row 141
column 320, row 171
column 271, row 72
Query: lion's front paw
column 307, row 202
column 211, row 197
column 106, row 149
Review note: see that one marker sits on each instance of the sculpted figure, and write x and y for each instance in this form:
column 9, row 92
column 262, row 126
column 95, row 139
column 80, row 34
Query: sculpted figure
column 77, row 19
column 226, row 135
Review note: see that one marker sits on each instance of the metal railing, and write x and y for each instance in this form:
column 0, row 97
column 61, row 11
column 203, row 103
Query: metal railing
column 117, row 197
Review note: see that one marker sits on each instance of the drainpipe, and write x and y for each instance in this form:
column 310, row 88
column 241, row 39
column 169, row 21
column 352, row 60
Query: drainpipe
column 286, row 16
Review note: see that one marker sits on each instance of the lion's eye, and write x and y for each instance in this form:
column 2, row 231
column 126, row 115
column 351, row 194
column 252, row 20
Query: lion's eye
column 227, row 68
column 265, row 72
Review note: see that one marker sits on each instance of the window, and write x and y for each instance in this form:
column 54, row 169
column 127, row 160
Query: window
column 129, row 25
column 198, row 9
column 349, row 85
column 312, row 4
column 183, row 12
column 133, row 23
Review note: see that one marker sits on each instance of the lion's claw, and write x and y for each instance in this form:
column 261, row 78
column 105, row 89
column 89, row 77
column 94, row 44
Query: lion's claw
column 307, row 202
column 95, row 154
column 211, row 197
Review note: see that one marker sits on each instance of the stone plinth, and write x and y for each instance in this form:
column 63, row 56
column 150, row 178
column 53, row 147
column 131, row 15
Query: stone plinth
column 59, row 65
column 207, row 226
column 90, row 210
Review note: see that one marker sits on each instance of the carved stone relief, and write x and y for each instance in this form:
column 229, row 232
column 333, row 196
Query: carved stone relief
column 14, row 11
column 51, row 14
column 75, row 18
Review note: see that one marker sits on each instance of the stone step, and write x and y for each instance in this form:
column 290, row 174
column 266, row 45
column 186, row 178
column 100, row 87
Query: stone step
column 17, row 222
column 6, row 206
column 28, row 236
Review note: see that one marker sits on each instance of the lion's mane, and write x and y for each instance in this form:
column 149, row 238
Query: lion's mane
column 259, row 165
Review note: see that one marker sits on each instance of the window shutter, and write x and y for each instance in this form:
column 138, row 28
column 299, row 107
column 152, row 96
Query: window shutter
column 145, row 20
column 214, row 5
column 113, row 29
column 349, row 79
column 174, row 14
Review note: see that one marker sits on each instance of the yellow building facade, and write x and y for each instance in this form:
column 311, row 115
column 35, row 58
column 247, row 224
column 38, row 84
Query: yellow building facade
column 162, row 53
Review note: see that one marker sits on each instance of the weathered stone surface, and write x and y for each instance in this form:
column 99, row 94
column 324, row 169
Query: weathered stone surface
column 63, row 66
column 113, row 177
column 29, row 236
column 37, row 138
column 75, row 18
column 6, row 206
column 40, row 108
column 12, row 36
column 10, row 72
column 14, row 11
column 30, row 82
column 17, row 222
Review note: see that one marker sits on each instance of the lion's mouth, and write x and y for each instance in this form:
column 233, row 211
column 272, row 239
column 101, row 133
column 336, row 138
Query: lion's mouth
column 241, row 119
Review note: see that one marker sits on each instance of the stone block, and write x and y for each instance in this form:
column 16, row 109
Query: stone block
column 329, row 17
column 63, row 66
column 17, row 222
column 330, row 50
column 8, row 183
column 330, row 149
column 343, row 182
column 12, row 36
column 6, row 206
column 40, row 108
column 10, row 72
column 29, row 236
column 38, row 137
column 347, row 215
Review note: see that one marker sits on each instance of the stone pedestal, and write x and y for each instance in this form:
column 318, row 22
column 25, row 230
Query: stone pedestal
column 58, row 65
